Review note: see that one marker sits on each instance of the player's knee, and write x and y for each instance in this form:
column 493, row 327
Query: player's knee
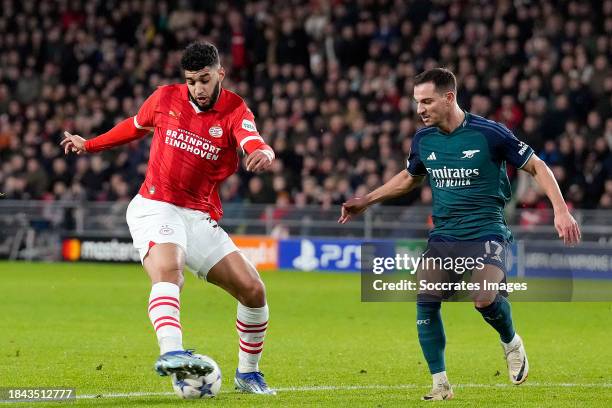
column 164, row 263
column 479, row 304
column 166, row 272
column 253, row 294
column 483, row 299
column 172, row 276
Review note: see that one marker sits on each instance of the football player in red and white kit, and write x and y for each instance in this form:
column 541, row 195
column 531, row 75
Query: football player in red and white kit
column 197, row 129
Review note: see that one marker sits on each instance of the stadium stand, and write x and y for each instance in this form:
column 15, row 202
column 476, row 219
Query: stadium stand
column 330, row 83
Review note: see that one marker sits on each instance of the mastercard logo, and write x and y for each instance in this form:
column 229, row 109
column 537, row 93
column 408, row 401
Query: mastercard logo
column 71, row 249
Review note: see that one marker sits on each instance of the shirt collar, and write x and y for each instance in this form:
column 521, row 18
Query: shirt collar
column 466, row 119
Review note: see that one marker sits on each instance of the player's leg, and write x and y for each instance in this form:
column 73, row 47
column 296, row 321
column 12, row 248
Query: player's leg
column 495, row 309
column 497, row 312
column 164, row 264
column 213, row 256
column 431, row 334
column 159, row 235
column 238, row 277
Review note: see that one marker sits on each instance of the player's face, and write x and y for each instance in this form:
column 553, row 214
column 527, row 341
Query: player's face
column 204, row 85
column 432, row 106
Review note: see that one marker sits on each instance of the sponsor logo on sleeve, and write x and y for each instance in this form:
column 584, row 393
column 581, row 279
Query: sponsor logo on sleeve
column 248, row 125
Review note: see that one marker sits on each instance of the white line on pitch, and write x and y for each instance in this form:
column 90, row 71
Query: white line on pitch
column 362, row 387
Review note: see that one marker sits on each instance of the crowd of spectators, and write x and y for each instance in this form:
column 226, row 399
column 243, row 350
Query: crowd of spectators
column 330, row 83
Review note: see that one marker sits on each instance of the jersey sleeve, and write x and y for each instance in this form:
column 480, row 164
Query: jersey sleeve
column 146, row 114
column 244, row 130
column 414, row 165
column 124, row 132
column 507, row 147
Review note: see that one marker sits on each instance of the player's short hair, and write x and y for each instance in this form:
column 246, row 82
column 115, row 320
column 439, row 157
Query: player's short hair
column 443, row 79
column 199, row 55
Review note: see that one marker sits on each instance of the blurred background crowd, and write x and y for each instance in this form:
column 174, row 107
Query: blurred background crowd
column 329, row 81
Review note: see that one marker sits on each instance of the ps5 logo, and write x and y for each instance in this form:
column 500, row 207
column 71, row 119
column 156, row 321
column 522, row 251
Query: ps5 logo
column 332, row 256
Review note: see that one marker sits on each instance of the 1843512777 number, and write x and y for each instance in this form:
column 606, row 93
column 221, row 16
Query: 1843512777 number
column 37, row 394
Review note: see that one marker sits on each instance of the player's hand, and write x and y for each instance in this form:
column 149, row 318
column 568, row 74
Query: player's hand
column 567, row 227
column 73, row 143
column 260, row 160
column 354, row 206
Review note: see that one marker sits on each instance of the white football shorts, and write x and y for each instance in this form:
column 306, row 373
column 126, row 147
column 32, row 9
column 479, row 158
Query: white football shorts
column 156, row 222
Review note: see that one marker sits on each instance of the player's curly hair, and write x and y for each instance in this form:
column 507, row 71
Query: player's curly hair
column 199, row 55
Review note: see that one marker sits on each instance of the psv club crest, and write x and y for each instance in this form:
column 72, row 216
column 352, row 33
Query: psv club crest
column 215, row 131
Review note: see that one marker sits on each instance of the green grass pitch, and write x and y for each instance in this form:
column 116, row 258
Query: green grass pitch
column 85, row 326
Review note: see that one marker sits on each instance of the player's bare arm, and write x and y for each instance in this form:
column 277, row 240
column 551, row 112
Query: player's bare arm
column 400, row 184
column 566, row 225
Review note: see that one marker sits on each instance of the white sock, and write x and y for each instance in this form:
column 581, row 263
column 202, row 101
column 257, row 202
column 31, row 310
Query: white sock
column 439, row 378
column 164, row 313
column 251, row 324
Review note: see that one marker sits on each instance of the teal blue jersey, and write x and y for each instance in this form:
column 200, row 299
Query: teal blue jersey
column 467, row 174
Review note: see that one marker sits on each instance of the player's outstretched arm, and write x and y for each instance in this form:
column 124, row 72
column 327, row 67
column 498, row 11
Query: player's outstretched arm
column 399, row 185
column 124, row 132
column 566, row 225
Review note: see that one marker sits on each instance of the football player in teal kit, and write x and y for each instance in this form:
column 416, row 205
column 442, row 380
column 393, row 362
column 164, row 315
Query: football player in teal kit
column 465, row 157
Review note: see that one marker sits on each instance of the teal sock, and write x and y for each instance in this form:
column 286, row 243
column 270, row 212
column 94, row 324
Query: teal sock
column 499, row 315
column 431, row 335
